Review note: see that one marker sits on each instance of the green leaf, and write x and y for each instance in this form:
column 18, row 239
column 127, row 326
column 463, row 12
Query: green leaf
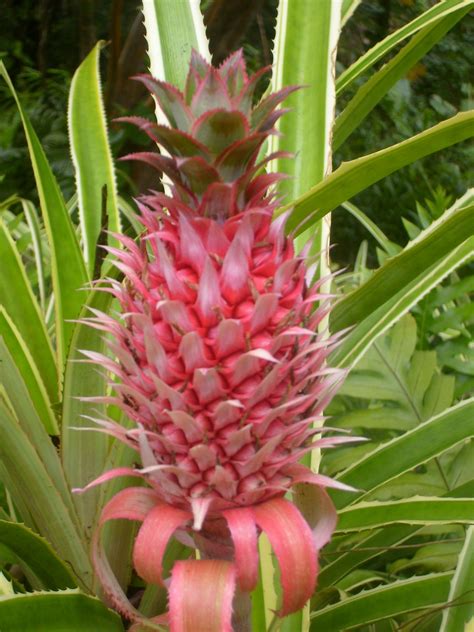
column 374, row 321
column 25, row 476
column 173, row 29
column 16, row 296
column 380, row 83
column 36, row 554
column 22, row 406
column 460, row 613
column 368, row 59
column 84, row 453
column 429, row 591
column 390, row 248
column 349, row 555
column 355, row 176
column 408, row 451
column 91, row 155
column 347, row 9
column 432, row 558
column 418, row 510
column 30, row 374
column 68, row 610
column 68, row 270
column 306, row 129
column 433, row 244
column 405, row 382
column 35, row 232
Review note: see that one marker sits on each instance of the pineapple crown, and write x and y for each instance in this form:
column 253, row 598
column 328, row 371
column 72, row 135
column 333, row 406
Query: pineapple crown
column 214, row 136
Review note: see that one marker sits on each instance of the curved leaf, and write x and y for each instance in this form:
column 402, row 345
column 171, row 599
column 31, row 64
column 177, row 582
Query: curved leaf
column 407, row 451
column 69, row 610
column 433, row 244
column 416, row 593
column 28, row 481
column 376, row 322
column 26, row 366
column 418, row 510
column 17, row 297
column 36, row 553
column 68, row 269
column 460, row 614
column 380, row 83
column 368, row 59
column 355, row 176
column 172, row 31
column 91, row 155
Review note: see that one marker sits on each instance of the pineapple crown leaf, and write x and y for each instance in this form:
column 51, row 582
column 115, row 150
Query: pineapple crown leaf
column 214, row 136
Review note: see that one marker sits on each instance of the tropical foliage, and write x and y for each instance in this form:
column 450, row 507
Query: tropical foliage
column 401, row 556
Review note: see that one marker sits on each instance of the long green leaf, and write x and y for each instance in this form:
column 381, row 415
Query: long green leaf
column 409, row 450
column 91, row 155
column 372, row 56
column 460, row 613
column 35, row 230
column 416, row 593
column 306, row 130
column 355, row 176
column 346, row 558
column 16, row 296
column 364, row 333
column 173, row 29
column 84, row 453
column 26, row 478
column 18, row 349
column 36, row 554
column 380, row 83
column 21, row 403
column 68, row 269
column 401, row 269
column 68, row 610
column 418, row 510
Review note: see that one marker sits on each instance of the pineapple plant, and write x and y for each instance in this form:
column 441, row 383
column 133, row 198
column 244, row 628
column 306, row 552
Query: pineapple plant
column 215, row 360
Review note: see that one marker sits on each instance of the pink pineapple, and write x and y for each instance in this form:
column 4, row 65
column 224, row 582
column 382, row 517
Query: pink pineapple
column 216, row 361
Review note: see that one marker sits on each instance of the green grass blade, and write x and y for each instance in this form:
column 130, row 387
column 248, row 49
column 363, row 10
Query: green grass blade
column 91, row 155
column 17, row 297
column 407, row 451
column 27, row 479
column 460, row 613
column 68, row 269
column 377, row 52
column 421, row 510
column 173, row 29
column 355, row 176
column 36, row 554
column 359, row 339
column 380, row 83
column 416, row 593
column 68, row 610
column 29, row 372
